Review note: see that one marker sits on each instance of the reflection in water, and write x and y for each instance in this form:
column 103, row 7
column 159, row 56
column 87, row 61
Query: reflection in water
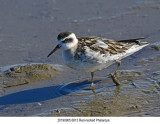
column 111, row 100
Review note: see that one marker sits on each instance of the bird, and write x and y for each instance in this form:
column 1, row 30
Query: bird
column 91, row 53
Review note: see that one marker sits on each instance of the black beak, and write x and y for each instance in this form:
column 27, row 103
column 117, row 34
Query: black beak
column 56, row 48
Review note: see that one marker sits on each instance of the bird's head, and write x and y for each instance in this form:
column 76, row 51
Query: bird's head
column 65, row 40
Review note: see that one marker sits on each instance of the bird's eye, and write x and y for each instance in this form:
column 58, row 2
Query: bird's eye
column 69, row 40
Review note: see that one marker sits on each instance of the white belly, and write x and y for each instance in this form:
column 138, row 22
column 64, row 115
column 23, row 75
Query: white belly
column 86, row 65
column 95, row 61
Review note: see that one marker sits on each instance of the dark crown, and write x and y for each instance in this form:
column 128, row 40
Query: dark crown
column 63, row 35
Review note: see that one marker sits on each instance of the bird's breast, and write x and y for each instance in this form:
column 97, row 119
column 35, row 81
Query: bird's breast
column 84, row 63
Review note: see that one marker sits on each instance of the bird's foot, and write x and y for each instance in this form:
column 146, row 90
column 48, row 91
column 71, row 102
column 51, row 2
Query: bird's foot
column 92, row 86
column 114, row 79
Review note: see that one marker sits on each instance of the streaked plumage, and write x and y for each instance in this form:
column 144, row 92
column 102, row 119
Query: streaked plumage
column 90, row 54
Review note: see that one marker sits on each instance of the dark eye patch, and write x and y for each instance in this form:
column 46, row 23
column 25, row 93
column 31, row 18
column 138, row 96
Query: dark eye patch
column 68, row 40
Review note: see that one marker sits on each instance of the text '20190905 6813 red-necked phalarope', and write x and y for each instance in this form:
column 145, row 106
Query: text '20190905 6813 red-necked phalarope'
column 91, row 54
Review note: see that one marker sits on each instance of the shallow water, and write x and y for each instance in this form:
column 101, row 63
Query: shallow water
column 28, row 32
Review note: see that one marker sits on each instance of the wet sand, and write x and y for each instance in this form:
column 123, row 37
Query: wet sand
column 28, row 32
column 21, row 74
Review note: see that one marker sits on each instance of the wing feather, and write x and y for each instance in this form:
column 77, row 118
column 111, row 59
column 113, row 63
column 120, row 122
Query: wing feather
column 112, row 46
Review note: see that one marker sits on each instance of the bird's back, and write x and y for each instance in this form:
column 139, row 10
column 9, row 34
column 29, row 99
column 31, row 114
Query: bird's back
column 104, row 45
column 95, row 53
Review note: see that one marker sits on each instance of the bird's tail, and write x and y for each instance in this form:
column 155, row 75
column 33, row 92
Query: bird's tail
column 136, row 40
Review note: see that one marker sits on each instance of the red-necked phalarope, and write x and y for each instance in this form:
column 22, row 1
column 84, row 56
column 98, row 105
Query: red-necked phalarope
column 90, row 54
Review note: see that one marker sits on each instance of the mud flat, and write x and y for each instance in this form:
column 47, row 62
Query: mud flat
column 21, row 74
column 156, row 46
column 28, row 32
column 136, row 96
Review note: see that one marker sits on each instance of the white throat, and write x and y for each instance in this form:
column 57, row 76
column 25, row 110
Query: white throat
column 69, row 45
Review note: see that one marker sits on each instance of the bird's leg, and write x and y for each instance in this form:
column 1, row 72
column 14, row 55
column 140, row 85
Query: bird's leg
column 92, row 84
column 119, row 63
column 114, row 75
